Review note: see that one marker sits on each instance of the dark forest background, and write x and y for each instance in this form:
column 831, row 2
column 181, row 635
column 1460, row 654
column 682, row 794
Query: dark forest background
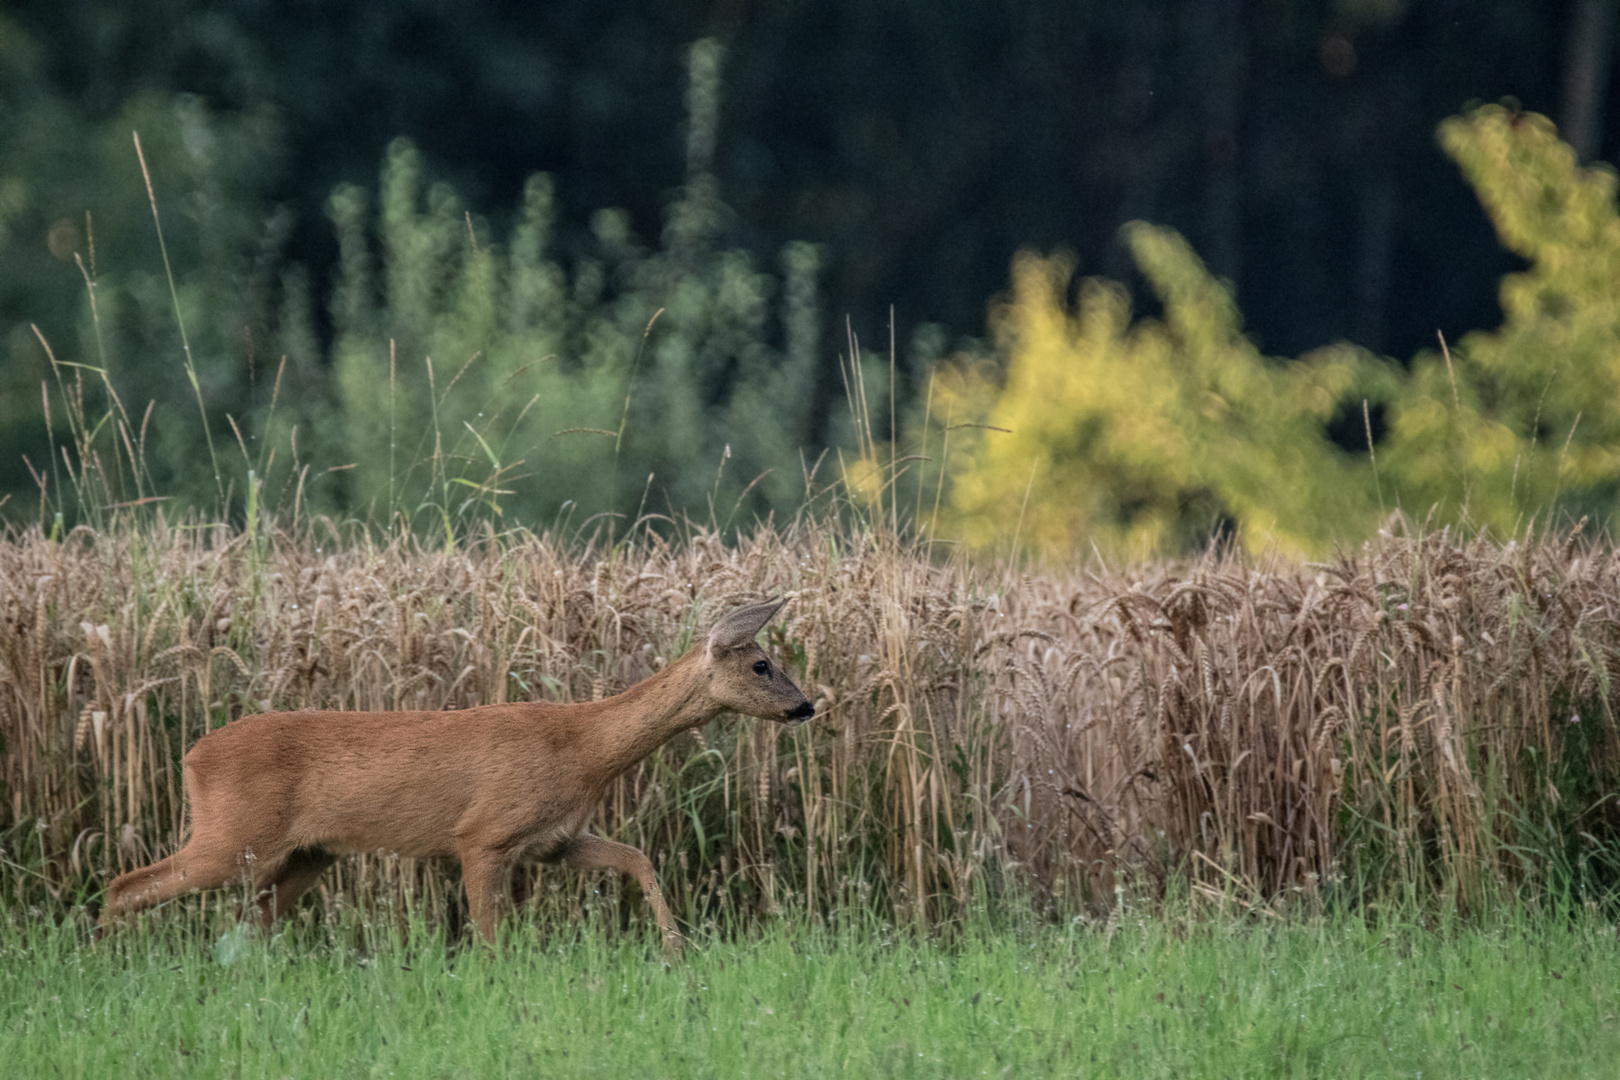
column 919, row 145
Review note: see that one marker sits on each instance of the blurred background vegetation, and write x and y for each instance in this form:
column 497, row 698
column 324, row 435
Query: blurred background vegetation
column 537, row 262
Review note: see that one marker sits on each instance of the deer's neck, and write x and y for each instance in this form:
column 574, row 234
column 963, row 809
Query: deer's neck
column 633, row 724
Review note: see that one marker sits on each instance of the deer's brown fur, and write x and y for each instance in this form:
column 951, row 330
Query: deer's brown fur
column 276, row 797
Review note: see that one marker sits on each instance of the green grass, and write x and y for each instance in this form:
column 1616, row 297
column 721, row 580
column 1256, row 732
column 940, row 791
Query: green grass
column 1336, row 998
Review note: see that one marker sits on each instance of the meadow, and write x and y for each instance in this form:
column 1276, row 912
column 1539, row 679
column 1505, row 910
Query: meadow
column 1141, row 996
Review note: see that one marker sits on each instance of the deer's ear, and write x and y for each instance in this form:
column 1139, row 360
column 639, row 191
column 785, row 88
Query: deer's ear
column 739, row 627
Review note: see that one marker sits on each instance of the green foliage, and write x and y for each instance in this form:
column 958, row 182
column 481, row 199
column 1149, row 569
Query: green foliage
column 466, row 377
column 82, row 265
column 1140, row 436
column 472, row 373
column 1149, row 435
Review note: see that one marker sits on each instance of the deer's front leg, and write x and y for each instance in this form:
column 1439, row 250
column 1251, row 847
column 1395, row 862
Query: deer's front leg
column 484, row 876
column 587, row 852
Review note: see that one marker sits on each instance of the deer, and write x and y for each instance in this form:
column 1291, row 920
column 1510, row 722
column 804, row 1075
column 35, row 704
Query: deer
column 277, row 797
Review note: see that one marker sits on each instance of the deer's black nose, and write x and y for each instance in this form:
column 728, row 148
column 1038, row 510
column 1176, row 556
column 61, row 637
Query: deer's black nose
column 803, row 712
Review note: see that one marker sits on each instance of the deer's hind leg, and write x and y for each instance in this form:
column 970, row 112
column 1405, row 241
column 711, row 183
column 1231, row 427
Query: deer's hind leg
column 279, row 890
column 195, row 867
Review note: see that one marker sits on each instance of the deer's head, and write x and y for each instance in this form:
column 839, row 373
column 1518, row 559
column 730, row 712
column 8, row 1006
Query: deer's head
column 742, row 678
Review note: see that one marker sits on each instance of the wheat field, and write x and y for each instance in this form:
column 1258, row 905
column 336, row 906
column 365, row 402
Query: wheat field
column 1423, row 717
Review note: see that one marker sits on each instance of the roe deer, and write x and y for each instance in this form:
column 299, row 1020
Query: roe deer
column 276, row 797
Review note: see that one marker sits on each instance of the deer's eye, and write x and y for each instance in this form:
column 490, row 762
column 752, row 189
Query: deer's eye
column 762, row 667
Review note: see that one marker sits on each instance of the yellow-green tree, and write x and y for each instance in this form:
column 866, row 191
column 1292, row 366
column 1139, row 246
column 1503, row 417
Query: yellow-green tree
column 1138, row 436
column 1141, row 436
column 1525, row 419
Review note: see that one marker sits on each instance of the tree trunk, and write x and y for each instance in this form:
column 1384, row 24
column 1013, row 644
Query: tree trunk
column 1586, row 76
column 1221, row 41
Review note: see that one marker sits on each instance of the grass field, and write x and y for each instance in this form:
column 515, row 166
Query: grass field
column 1523, row 997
